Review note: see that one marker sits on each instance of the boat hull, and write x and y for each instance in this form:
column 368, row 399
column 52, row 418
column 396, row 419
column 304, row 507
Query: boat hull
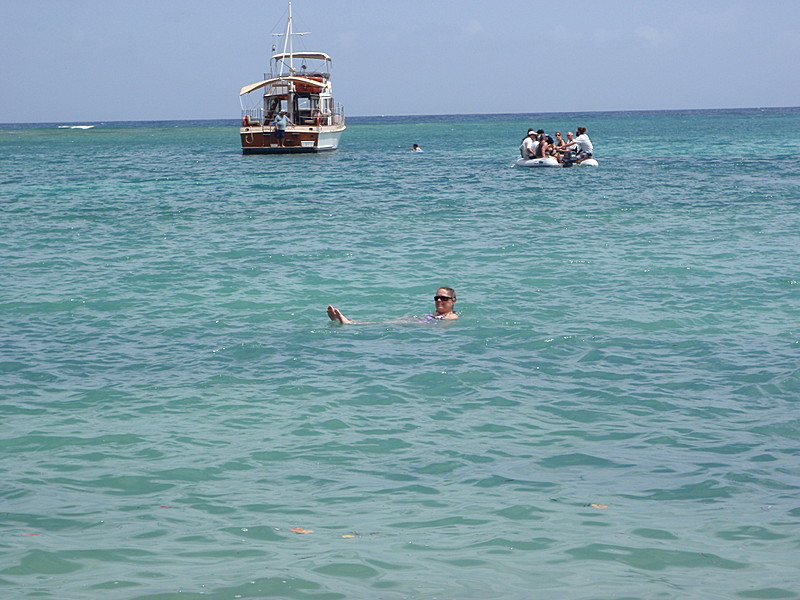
column 552, row 162
column 298, row 140
column 537, row 162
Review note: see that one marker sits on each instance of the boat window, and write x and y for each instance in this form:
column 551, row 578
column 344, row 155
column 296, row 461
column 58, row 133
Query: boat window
column 304, row 112
column 272, row 106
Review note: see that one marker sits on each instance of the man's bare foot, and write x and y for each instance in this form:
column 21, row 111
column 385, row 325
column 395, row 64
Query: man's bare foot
column 336, row 315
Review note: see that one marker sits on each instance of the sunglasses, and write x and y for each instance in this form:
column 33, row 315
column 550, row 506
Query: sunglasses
column 442, row 298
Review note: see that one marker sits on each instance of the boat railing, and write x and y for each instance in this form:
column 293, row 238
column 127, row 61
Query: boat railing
column 310, row 74
column 251, row 116
column 332, row 119
column 337, row 115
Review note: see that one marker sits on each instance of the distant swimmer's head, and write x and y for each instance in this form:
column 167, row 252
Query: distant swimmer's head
column 444, row 299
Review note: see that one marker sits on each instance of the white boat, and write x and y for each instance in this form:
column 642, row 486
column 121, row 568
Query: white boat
column 549, row 161
column 300, row 84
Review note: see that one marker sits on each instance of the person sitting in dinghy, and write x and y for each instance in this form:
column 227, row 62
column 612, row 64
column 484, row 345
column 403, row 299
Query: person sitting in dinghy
column 545, row 149
column 568, row 144
column 528, row 146
column 530, row 131
column 584, row 144
column 559, row 145
column 567, row 152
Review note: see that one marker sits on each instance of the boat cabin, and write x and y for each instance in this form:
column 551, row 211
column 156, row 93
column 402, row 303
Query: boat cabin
column 304, row 94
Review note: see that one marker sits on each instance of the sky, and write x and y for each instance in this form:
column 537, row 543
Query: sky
column 131, row 60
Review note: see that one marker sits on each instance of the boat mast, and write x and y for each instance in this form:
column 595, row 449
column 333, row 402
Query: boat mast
column 287, row 42
column 288, row 50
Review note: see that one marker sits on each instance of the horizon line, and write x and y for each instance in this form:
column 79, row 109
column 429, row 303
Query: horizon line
column 385, row 116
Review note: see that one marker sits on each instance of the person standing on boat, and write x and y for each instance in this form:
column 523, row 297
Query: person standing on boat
column 585, row 146
column 281, row 122
column 528, row 146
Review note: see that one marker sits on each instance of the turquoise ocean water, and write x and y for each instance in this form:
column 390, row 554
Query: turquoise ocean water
column 614, row 416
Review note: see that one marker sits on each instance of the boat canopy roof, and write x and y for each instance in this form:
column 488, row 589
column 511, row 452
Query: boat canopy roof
column 305, row 80
column 310, row 55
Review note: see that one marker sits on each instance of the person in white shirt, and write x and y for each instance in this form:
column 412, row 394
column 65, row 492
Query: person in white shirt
column 585, row 146
column 281, row 122
column 528, row 146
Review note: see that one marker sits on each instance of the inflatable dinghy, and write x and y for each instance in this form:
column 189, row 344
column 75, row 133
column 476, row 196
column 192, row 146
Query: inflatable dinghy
column 537, row 162
column 552, row 162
